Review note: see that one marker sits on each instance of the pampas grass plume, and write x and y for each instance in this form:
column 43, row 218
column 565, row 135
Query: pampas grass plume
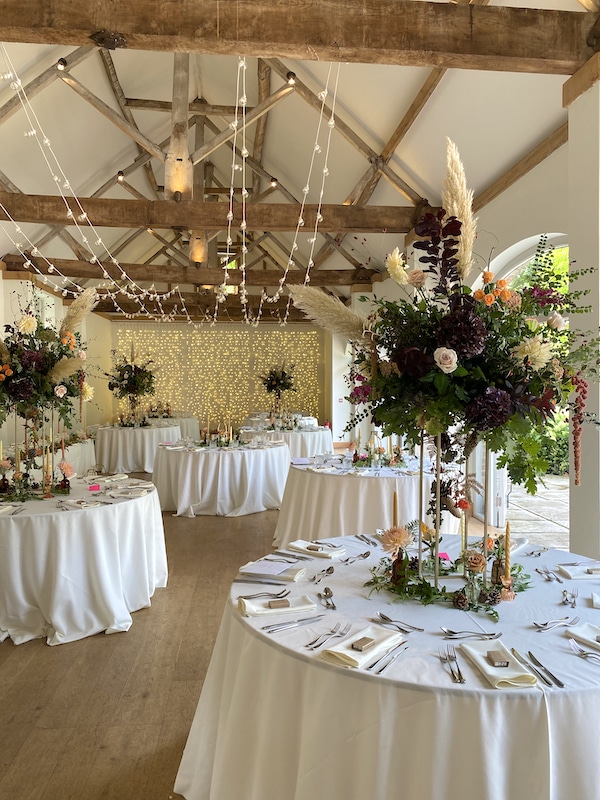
column 458, row 202
column 330, row 313
column 78, row 309
column 64, row 369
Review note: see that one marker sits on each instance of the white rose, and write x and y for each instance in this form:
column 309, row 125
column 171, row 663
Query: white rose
column 446, row 359
column 395, row 266
column 60, row 390
column 82, row 355
column 556, row 321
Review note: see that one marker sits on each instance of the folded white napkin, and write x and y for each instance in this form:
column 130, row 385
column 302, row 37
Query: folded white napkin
column 300, row 461
column 261, row 569
column 140, row 485
column 6, row 509
column 515, row 675
column 301, row 546
column 595, row 600
column 345, row 656
column 579, row 573
column 129, row 493
column 585, row 633
column 82, row 503
column 259, row 608
column 120, row 476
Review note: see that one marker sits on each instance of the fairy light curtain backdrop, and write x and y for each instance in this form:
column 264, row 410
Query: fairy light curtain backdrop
column 215, row 374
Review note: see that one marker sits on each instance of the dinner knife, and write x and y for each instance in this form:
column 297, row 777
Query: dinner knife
column 523, row 661
column 291, row 555
column 281, row 626
column 551, row 675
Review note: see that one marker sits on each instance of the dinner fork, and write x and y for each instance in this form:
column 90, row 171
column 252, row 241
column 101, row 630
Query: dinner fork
column 328, row 636
column 452, row 657
column 549, row 574
column 583, row 653
column 444, row 658
column 574, row 596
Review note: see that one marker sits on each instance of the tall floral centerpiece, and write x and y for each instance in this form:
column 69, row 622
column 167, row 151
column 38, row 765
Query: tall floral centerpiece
column 462, row 366
column 42, row 371
column 278, row 380
column 131, row 379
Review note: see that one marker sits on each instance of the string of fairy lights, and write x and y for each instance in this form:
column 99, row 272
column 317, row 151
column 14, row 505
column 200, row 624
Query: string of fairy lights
column 126, row 287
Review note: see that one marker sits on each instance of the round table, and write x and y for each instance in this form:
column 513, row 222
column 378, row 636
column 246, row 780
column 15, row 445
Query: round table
column 67, row 572
column 189, row 426
column 132, row 449
column 228, row 481
column 299, row 728
column 329, row 501
column 302, row 443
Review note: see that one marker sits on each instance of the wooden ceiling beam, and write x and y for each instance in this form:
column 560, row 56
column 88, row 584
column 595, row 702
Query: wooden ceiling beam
column 197, row 106
column 104, row 212
column 202, row 307
column 161, row 273
column 402, row 32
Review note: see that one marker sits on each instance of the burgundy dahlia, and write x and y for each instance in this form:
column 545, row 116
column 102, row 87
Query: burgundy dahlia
column 464, row 332
column 20, row 389
column 489, row 410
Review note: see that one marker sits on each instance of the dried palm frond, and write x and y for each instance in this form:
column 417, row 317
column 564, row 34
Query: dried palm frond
column 330, row 313
column 64, row 369
column 4, row 354
column 458, row 202
column 78, row 309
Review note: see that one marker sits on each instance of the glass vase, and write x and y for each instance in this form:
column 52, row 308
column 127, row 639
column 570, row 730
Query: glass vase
column 473, row 588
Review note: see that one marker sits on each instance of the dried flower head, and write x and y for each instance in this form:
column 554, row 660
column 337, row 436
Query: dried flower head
column 474, row 561
column 396, row 538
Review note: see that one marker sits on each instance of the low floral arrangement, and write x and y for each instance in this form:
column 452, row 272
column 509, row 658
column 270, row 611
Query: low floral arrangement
column 42, row 368
column 279, row 380
column 399, row 573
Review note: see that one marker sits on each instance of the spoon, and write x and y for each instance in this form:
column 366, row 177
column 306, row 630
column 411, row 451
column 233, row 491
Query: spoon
column 469, row 634
column 320, row 575
column 352, row 559
column 327, row 596
column 382, row 616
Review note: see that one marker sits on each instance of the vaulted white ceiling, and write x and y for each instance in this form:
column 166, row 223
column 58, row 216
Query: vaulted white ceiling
column 495, row 118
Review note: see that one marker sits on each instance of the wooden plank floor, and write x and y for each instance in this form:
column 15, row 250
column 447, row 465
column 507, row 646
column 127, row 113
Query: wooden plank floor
column 108, row 717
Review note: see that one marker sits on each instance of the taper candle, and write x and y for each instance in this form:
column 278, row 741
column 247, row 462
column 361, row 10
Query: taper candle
column 395, row 511
column 507, row 552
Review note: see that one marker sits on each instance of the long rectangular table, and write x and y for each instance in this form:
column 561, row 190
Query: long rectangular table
column 277, row 721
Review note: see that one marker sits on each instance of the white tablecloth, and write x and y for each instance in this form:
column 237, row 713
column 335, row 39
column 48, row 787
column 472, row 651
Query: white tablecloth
column 132, row 449
column 65, row 575
column 81, row 456
column 225, row 481
column 302, row 444
column 189, row 426
column 275, row 721
column 329, row 502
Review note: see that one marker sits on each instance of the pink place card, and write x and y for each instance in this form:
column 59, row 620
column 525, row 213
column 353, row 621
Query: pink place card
column 94, row 487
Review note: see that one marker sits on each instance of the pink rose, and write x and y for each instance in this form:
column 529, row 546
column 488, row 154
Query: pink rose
column 417, row 278
column 60, row 390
